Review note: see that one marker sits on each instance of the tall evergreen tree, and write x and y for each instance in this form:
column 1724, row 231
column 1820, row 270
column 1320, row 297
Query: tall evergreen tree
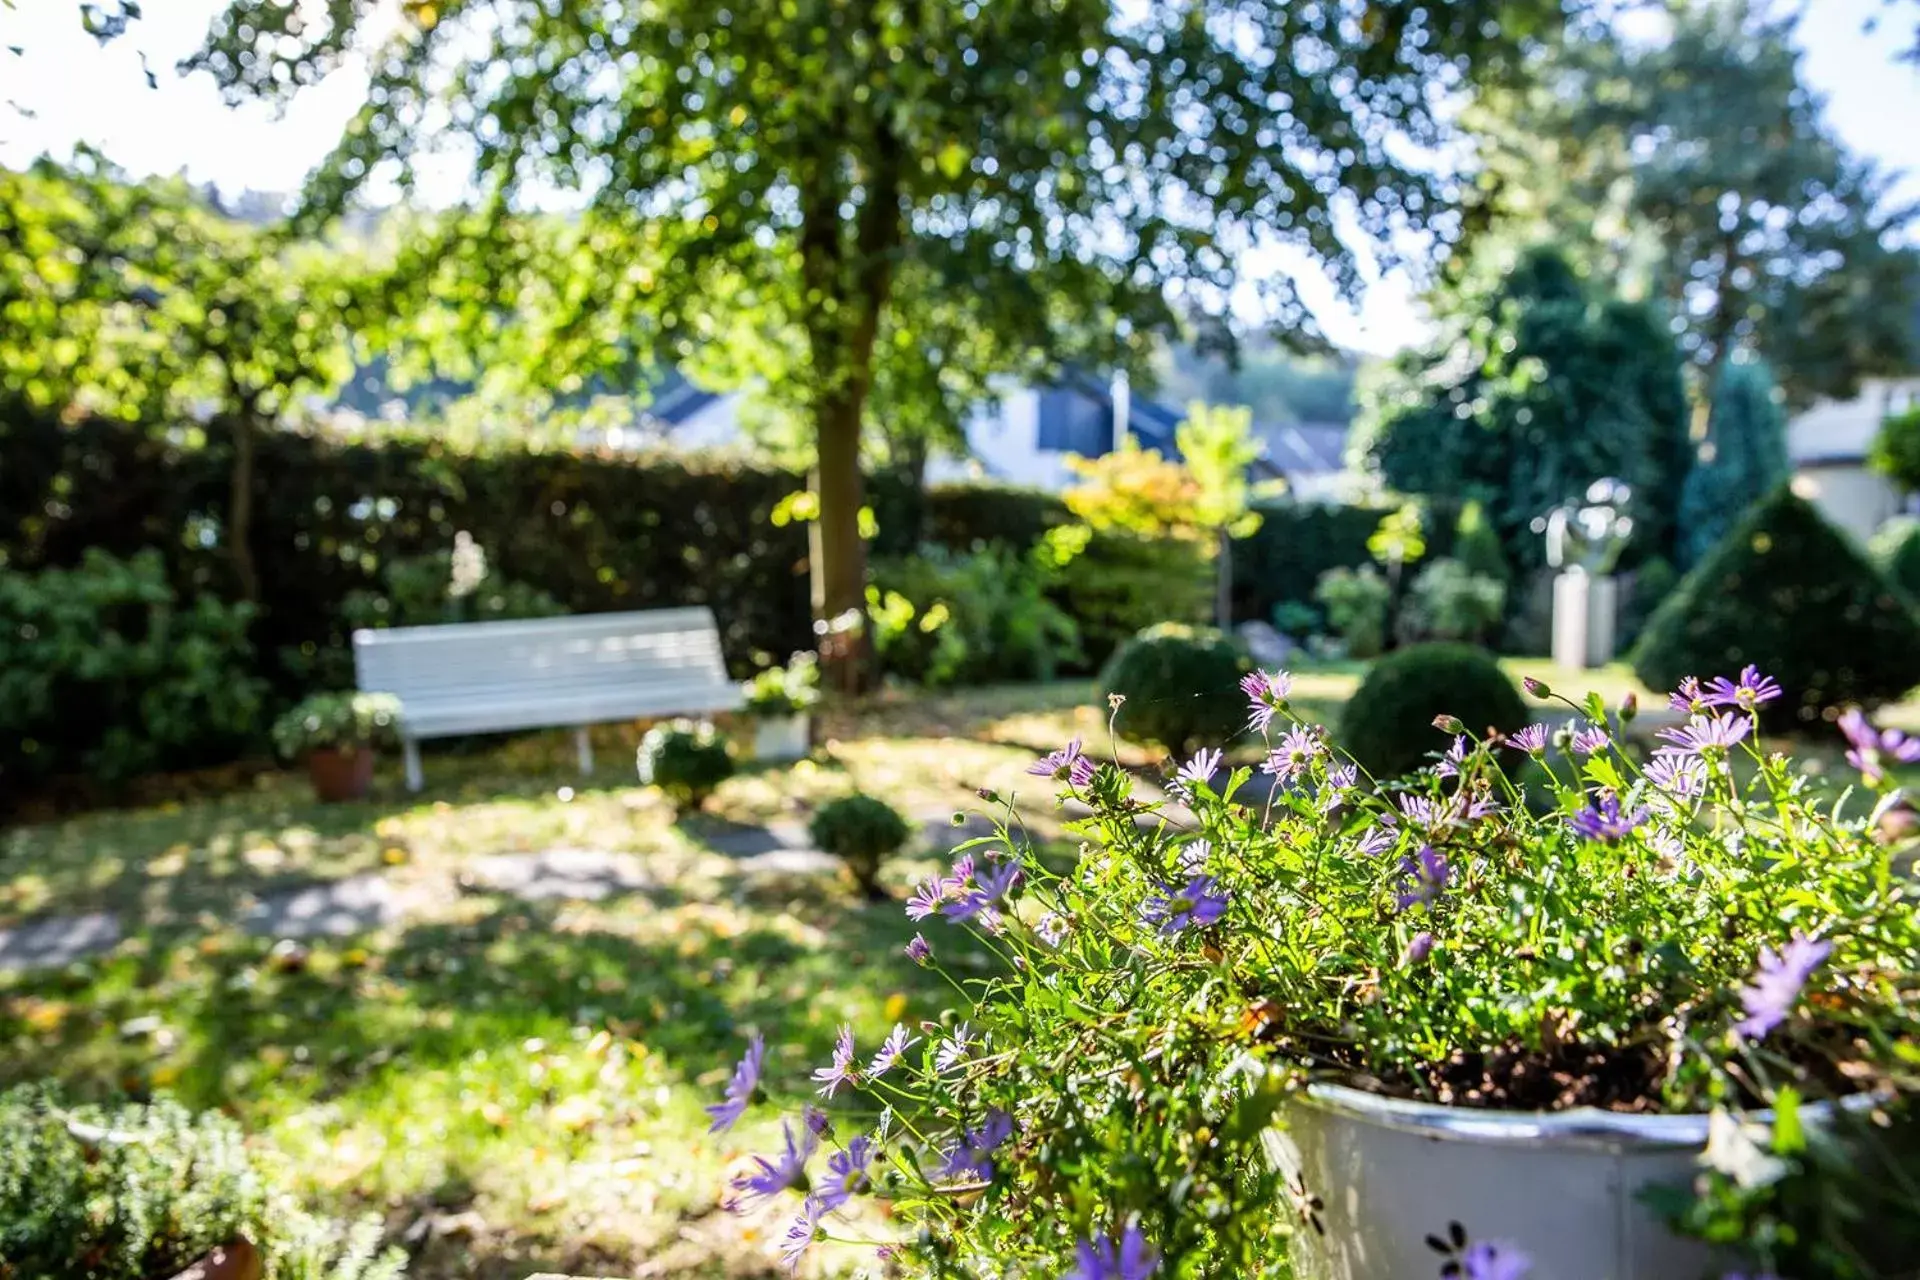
column 1742, row 460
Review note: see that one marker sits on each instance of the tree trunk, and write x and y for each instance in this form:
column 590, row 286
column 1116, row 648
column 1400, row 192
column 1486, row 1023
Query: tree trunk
column 1223, row 584
column 240, row 509
column 837, row 551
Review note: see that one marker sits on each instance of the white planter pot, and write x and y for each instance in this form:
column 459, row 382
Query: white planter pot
column 1387, row 1173
column 780, row 737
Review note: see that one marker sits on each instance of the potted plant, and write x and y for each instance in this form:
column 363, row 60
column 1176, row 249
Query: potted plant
column 337, row 733
column 1659, row 1021
column 778, row 700
column 686, row 760
column 862, row 831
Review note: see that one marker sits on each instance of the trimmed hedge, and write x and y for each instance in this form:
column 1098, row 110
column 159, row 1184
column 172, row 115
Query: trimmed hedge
column 1388, row 724
column 1295, row 544
column 1788, row 592
column 1181, row 686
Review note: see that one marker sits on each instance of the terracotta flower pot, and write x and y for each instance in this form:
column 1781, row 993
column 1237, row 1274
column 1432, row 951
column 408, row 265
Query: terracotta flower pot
column 340, row 773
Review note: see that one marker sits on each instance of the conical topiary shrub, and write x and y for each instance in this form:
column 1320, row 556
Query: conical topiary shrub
column 1790, row 594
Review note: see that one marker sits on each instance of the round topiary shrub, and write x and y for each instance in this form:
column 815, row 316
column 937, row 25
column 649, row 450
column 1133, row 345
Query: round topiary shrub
column 861, row 831
column 1787, row 592
column 688, row 761
column 1896, row 550
column 1388, row 725
column 1181, row 686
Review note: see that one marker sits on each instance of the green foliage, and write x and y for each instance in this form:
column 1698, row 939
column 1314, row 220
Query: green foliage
column 943, row 619
column 103, row 670
column 1895, row 452
column 862, row 831
column 1400, row 538
column 131, row 1192
column 1356, row 602
column 1538, row 385
column 1448, row 601
column 1115, row 584
column 1895, row 549
column 1476, row 545
column 1296, row 618
column 1136, row 490
column 1388, row 723
column 1295, row 544
column 1787, row 592
column 1147, row 1023
column 345, row 720
column 784, row 691
column 1178, row 682
column 687, row 761
column 1651, row 584
column 1744, row 458
column 1772, row 235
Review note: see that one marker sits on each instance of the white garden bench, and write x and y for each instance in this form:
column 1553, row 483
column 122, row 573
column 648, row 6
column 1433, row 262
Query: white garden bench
column 485, row 677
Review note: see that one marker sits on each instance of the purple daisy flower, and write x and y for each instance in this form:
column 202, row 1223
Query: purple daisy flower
column 1104, row 1258
column 1869, row 749
column 990, row 886
column 1604, row 821
column 1197, row 772
column 841, row 1070
column 1266, row 693
column 1423, row 878
column 972, row 1154
column 1749, row 694
column 1703, row 734
column 1682, row 777
column 800, row 1234
column 1449, row 766
column 1588, row 739
column 1192, row 859
column 1294, row 755
column 1201, row 901
column 1532, row 739
column 1688, row 697
column 926, row 899
column 1052, row 928
column 741, row 1088
column 815, row 1119
column 1067, row 765
column 1343, row 777
column 1376, row 840
column 1776, row 984
column 954, row 1050
column 920, row 951
column 770, row 1177
column 846, row 1175
column 1494, row 1260
column 892, row 1050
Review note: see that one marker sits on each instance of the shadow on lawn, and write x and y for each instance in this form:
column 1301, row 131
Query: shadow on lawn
column 438, row 1023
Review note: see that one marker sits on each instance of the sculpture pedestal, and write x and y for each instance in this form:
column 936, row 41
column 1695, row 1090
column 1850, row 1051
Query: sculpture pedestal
column 1585, row 618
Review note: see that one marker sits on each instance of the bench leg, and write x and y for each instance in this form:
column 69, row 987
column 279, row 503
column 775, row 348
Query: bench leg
column 583, row 746
column 410, row 750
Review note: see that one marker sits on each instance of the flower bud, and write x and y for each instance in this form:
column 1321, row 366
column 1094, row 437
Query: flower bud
column 1448, row 724
column 1538, row 688
column 1629, row 707
column 1420, row 948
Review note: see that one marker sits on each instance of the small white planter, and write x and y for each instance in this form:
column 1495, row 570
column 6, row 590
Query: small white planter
column 1564, row 1187
column 780, row 737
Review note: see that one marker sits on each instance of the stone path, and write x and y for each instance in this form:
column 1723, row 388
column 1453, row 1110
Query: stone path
column 58, row 940
column 373, row 900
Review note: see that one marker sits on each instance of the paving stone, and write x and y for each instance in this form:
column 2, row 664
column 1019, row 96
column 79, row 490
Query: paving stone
column 336, row 909
column 559, row 874
column 58, row 940
column 790, row 862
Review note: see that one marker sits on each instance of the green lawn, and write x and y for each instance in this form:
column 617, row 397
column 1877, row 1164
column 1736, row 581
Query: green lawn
column 517, row 1087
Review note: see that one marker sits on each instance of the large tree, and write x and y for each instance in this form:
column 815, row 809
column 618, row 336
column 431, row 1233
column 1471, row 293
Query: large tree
column 840, row 178
column 1538, row 384
column 1706, row 170
column 1742, row 460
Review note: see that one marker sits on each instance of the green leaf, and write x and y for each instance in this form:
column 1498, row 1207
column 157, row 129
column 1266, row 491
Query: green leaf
column 1789, row 1136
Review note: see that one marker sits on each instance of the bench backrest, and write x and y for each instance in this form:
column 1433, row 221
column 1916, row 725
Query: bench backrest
column 571, row 670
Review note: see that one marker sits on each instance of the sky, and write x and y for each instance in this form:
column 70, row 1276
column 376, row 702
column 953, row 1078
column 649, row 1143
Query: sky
column 67, row 89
